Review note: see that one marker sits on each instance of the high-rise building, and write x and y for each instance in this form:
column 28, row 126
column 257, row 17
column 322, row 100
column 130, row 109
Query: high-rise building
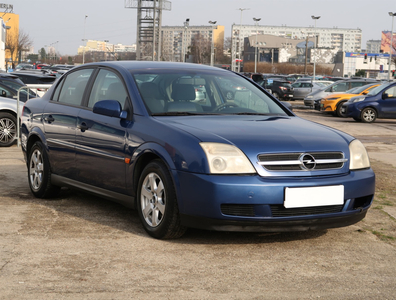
column 373, row 46
column 342, row 39
column 176, row 40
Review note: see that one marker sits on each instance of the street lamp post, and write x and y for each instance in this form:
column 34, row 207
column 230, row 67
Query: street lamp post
column 212, row 45
column 255, row 46
column 391, row 46
column 314, row 58
column 240, row 40
column 85, row 20
column 184, row 40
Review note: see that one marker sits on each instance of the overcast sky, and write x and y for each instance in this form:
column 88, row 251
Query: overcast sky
column 62, row 21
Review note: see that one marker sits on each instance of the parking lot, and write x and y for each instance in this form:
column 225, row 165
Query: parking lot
column 78, row 246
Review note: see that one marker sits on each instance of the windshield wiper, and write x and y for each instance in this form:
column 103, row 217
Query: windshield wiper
column 177, row 113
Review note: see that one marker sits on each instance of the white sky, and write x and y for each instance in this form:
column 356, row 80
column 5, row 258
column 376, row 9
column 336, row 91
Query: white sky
column 49, row 21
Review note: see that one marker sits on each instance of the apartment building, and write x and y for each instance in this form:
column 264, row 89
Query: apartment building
column 176, row 40
column 340, row 39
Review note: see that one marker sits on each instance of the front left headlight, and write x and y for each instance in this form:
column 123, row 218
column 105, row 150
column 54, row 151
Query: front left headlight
column 359, row 156
column 226, row 159
column 357, row 99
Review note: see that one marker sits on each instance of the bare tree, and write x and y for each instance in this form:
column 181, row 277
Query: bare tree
column 16, row 42
column 200, row 49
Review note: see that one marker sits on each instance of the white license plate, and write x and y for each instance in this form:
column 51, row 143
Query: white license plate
column 290, row 95
column 314, row 196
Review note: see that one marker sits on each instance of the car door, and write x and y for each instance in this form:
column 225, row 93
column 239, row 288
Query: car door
column 60, row 121
column 100, row 151
column 388, row 105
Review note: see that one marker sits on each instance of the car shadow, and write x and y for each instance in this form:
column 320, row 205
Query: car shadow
column 104, row 212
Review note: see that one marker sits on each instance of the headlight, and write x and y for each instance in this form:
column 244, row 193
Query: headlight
column 309, row 97
column 226, row 159
column 358, row 99
column 331, row 99
column 359, row 156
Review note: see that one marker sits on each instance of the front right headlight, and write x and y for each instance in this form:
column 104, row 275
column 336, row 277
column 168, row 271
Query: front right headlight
column 226, row 159
column 359, row 156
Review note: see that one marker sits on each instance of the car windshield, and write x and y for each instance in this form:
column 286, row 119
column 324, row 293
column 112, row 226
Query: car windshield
column 185, row 93
column 376, row 90
column 359, row 89
column 352, row 90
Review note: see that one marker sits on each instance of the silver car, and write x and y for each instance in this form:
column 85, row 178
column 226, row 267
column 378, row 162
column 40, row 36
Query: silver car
column 303, row 88
column 313, row 98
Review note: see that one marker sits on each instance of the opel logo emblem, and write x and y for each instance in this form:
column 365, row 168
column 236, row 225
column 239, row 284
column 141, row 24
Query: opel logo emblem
column 307, row 161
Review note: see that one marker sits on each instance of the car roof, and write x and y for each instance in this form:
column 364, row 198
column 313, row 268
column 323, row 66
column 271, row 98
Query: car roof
column 146, row 65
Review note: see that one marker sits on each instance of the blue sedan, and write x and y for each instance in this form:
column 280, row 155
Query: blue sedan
column 137, row 133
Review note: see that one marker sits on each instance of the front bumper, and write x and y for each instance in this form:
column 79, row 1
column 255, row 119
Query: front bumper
column 253, row 203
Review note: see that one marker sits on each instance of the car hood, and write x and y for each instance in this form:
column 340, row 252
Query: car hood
column 263, row 134
column 337, row 95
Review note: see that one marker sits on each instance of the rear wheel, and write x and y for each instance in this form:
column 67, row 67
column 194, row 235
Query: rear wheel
column 39, row 173
column 368, row 115
column 8, row 129
column 157, row 202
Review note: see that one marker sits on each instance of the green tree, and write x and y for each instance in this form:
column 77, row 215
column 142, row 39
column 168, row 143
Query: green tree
column 43, row 54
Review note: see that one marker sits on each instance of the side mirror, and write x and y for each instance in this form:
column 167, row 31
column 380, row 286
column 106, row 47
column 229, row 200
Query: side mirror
column 110, row 108
column 385, row 96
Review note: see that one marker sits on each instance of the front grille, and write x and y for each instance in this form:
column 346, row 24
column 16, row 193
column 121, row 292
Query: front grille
column 302, row 161
column 281, row 211
column 243, row 210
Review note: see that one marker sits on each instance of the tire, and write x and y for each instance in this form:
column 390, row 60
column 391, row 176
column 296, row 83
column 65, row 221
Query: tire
column 368, row 115
column 39, row 173
column 339, row 112
column 8, row 129
column 157, row 202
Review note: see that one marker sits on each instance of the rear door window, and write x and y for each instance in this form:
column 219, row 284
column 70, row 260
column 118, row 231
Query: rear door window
column 73, row 86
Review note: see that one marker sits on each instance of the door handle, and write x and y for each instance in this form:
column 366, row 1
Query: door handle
column 82, row 126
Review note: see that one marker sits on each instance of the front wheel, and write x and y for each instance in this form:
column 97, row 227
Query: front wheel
column 8, row 129
column 39, row 173
column 368, row 115
column 157, row 202
column 339, row 112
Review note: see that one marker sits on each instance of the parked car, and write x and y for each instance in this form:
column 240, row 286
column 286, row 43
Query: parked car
column 130, row 131
column 302, row 88
column 280, row 88
column 380, row 102
column 8, row 111
column 37, row 77
column 313, row 99
column 333, row 103
column 10, row 79
column 24, row 66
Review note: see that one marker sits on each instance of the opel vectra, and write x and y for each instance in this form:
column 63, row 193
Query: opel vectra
column 135, row 133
